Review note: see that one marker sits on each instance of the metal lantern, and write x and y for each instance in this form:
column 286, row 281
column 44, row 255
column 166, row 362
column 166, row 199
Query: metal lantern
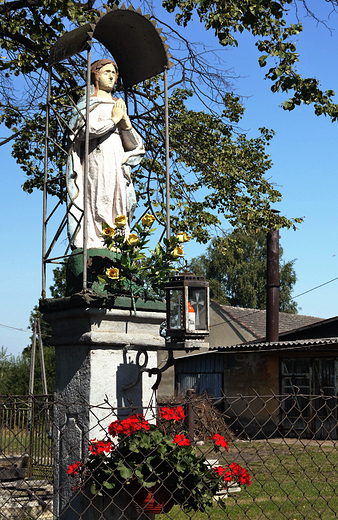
column 188, row 320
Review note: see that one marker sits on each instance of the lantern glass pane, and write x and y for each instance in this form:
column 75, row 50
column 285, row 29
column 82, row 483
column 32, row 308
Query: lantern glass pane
column 176, row 309
column 197, row 300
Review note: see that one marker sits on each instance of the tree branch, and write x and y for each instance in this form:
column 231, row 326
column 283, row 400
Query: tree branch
column 22, row 4
column 13, row 136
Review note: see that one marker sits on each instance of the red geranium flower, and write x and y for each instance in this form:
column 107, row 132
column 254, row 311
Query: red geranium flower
column 242, row 474
column 223, row 472
column 220, row 470
column 221, row 441
column 74, row 468
column 172, row 414
column 99, row 447
column 181, row 440
column 128, row 426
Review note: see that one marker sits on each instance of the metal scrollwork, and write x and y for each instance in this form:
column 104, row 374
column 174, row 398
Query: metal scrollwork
column 151, row 371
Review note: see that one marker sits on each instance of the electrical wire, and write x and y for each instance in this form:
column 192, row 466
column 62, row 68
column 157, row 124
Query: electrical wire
column 313, row 288
column 15, row 328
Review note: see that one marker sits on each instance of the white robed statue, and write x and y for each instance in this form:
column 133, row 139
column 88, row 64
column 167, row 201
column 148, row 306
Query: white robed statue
column 114, row 147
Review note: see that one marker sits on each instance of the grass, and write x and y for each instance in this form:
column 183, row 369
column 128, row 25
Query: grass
column 290, row 481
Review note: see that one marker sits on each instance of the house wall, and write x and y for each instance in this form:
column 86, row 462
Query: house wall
column 245, row 373
column 299, row 376
column 223, row 331
column 252, row 383
column 252, row 374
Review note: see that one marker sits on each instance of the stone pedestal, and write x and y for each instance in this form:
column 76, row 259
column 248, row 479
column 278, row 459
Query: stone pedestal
column 100, row 345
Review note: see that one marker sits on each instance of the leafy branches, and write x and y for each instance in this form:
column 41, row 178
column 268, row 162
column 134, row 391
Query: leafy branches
column 265, row 20
column 235, row 266
column 216, row 172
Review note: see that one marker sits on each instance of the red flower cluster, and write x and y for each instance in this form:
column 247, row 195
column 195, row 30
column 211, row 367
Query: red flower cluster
column 74, row 468
column 99, row 447
column 172, row 414
column 128, row 426
column 221, row 441
column 220, row 470
column 181, row 440
column 233, row 472
column 242, row 474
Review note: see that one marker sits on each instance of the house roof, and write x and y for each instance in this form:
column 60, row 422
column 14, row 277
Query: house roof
column 254, row 320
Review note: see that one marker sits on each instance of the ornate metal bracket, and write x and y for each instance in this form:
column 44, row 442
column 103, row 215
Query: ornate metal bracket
column 151, row 371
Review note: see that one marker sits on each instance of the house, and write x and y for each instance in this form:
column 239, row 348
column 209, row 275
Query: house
column 229, row 326
column 302, row 366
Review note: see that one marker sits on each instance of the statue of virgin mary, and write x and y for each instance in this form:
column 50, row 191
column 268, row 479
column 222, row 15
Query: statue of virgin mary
column 114, row 147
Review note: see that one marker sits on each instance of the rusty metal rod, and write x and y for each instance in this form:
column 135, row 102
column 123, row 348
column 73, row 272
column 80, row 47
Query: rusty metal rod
column 85, row 176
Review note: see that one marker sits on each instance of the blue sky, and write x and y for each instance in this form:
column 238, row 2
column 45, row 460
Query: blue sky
column 304, row 168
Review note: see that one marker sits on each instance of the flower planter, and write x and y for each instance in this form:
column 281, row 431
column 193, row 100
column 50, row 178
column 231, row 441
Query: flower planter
column 156, row 499
column 109, row 469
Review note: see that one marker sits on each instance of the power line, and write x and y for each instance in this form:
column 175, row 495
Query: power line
column 243, row 316
column 321, row 285
column 15, row 328
column 28, row 331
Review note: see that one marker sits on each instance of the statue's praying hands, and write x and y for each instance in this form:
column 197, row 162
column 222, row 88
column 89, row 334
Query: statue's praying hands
column 119, row 115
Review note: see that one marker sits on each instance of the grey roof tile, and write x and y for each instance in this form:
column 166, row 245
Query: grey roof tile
column 255, row 319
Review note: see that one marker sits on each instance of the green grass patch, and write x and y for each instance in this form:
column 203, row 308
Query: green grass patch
column 291, row 481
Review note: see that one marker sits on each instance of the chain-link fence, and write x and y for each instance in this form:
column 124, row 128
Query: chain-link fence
column 243, row 457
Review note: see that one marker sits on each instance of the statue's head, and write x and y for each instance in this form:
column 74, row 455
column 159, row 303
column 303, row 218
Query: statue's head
column 97, row 69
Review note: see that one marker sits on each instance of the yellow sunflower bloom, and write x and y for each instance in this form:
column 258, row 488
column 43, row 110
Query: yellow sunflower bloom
column 108, row 232
column 177, row 252
column 132, row 239
column 182, row 236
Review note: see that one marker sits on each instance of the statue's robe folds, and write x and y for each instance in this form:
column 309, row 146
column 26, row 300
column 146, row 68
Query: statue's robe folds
column 112, row 153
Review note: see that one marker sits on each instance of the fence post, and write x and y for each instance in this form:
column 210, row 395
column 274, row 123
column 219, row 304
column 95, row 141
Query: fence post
column 31, row 438
column 191, row 415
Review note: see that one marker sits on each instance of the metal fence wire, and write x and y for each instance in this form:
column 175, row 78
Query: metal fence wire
column 243, row 457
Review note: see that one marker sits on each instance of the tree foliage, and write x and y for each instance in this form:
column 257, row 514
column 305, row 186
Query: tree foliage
column 215, row 169
column 236, row 270
column 266, row 21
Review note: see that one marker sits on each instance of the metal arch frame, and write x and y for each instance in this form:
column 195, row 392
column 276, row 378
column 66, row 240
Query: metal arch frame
column 138, row 58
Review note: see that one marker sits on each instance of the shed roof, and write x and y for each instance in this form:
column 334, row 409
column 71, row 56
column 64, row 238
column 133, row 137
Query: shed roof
column 265, row 346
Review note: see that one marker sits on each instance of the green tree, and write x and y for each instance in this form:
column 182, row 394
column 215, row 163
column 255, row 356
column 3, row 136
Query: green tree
column 207, row 149
column 58, row 289
column 274, row 37
column 236, row 270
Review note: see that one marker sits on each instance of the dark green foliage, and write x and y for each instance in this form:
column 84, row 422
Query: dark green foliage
column 236, row 270
column 58, row 289
column 215, row 170
column 266, row 20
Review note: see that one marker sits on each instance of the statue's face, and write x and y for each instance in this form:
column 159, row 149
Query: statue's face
column 107, row 77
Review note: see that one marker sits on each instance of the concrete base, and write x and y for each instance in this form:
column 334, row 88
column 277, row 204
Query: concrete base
column 98, row 354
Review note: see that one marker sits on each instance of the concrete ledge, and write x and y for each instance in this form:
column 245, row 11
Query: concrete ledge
column 116, row 328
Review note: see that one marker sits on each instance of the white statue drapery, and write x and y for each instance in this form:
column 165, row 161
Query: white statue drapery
column 113, row 150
